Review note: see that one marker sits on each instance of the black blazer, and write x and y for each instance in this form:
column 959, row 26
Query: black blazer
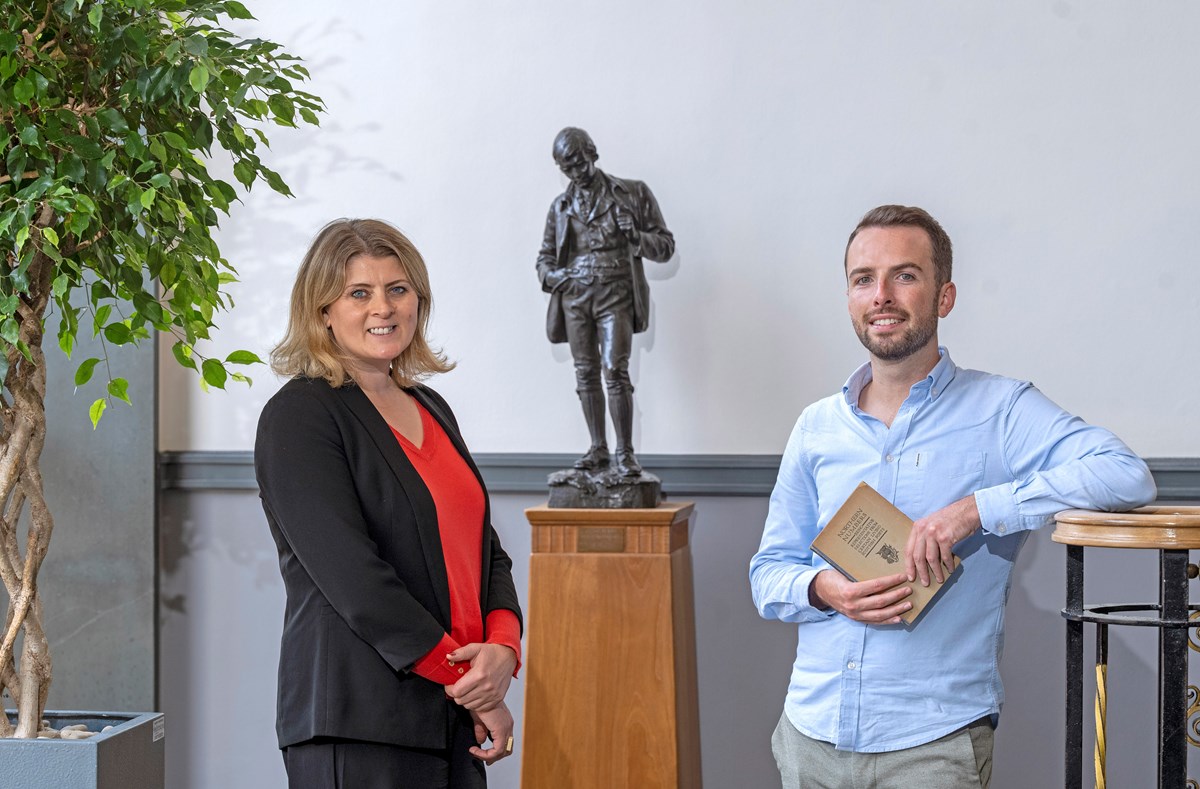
column 362, row 564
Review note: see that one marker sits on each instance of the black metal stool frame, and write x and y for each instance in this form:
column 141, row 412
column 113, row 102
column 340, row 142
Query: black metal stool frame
column 1172, row 620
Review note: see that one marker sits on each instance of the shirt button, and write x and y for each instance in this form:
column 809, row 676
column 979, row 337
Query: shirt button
column 890, row 457
column 460, row 671
column 851, row 665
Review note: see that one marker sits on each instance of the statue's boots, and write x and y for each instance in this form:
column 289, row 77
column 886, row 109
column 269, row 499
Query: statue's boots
column 621, row 404
column 594, row 459
column 627, row 463
column 593, row 413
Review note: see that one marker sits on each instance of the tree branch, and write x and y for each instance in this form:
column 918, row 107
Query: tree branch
column 24, row 176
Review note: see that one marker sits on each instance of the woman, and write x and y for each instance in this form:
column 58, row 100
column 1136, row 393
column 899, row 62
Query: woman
column 402, row 628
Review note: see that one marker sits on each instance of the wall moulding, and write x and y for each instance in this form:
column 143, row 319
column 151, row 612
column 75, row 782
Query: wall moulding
column 1178, row 479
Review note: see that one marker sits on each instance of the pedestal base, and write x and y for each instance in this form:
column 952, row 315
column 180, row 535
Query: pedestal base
column 610, row 689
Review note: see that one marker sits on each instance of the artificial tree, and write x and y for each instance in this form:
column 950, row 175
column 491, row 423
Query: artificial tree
column 111, row 110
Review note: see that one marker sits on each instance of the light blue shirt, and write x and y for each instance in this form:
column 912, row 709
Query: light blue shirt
column 873, row 688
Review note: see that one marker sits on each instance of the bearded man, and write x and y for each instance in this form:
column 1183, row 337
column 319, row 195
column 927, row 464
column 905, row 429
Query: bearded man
column 978, row 461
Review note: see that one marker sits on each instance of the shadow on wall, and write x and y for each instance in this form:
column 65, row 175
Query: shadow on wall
column 305, row 158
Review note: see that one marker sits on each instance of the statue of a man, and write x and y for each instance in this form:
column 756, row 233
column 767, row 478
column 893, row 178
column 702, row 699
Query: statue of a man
column 597, row 233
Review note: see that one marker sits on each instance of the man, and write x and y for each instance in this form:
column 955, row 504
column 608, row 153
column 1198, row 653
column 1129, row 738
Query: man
column 978, row 460
column 597, row 233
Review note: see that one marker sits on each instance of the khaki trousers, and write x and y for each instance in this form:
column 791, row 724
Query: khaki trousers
column 961, row 759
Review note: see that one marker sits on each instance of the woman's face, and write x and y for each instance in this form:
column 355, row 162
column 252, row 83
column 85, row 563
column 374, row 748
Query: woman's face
column 375, row 317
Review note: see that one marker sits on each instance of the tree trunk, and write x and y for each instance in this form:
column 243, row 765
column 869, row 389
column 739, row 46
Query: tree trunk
column 23, row 433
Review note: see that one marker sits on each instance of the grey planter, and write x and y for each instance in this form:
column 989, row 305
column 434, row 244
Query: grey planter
column 131, row 755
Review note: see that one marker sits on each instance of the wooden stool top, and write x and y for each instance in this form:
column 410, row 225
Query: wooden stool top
column 1159, row 526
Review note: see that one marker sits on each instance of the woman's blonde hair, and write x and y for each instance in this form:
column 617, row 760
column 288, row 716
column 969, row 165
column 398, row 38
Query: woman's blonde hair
column 308, row 347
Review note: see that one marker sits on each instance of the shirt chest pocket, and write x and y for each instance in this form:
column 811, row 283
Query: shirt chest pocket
column 947, row 476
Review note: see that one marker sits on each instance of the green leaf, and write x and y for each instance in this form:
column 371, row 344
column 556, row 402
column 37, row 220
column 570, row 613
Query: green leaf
column 214, row 373
column 118, row 334
column 244, row 171
column 159, row 180
column 183, row 355
column 101, row 316
column 10, row 331
column 28, row 135
column 135, row 39
column 236, row 10
column 71, row 167
column 198, row 78
column 158, row 149
column 51, row 235
column 35, row 189
column 15, row 162
column 6, row 219
column 113, row 120
column 97, row 293
column 176, row 142
column 283, row 108
column 276, row 182
column 88, row 149
column 148, row 307
column 119, row 388
column 83, row 373
column 97, row 176
column 243, row 357
column 23, row 90
column 196, row 44
column 95, row 14
column 97, row 411
column 66, row 340
column 60, row 285
column 148, row 196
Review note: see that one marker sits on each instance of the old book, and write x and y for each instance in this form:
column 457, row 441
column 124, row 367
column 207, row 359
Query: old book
column 865, row 539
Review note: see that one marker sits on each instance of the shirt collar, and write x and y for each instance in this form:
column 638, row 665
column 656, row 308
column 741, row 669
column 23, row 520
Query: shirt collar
column 935, row 383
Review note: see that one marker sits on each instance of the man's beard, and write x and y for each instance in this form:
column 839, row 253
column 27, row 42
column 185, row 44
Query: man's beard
column 917, row 333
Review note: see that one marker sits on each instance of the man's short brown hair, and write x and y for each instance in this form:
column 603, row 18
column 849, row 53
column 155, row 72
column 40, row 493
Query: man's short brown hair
column 911, row 216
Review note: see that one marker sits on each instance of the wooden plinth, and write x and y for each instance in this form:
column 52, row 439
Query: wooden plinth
column 610, row 682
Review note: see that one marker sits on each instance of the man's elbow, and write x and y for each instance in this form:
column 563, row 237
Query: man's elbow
column 1139, row 489
column 761, row 604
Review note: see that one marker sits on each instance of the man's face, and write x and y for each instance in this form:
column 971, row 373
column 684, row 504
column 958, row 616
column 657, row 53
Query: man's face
column 576, row 165
column 891, row 285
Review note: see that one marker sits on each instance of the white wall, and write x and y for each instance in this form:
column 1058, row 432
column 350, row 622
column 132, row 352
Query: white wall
column 1055, row 140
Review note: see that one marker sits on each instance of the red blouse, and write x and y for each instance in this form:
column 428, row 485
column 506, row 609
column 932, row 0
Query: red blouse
column 459, row 500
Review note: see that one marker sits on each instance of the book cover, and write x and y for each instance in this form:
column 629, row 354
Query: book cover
column 865, row 539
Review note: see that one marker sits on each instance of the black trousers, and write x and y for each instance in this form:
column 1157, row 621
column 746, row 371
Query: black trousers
column 332, row 763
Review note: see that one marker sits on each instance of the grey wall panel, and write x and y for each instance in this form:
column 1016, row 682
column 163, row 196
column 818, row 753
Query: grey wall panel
column 98, row 580
column 222, row 617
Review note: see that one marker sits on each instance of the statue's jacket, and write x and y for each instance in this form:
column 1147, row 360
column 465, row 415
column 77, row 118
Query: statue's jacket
column 655, row 243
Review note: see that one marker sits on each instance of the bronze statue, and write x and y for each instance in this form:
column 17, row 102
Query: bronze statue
column 597, row 233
